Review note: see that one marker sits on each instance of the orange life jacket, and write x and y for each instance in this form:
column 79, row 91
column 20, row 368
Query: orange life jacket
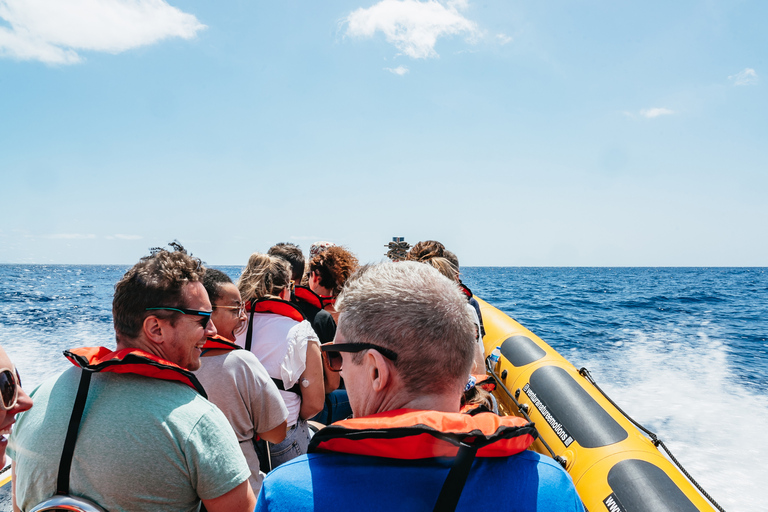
column 101, row 359
column 411, row 434
column 132, row 360
column 415, row 434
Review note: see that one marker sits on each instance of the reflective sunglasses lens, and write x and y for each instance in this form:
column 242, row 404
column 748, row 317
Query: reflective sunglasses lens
column 204, row 319
column 8, row 388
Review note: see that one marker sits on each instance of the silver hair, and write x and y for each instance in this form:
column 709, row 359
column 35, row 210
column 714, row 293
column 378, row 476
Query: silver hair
column 412, row 309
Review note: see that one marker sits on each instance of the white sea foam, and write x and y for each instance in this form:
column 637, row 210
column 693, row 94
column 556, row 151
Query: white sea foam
column 688, row 394
column 38, row 355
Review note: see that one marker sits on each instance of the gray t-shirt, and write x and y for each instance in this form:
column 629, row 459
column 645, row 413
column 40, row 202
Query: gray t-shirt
column 240, row 386
column 144, row 445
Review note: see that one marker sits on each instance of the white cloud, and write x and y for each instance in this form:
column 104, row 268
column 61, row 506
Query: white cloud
column 412, row 26
column 746, row 77
column 503, row 39
column 399, row 70
column 52, row 31
column 650, row 113
column 125, row 237
column 70, row 236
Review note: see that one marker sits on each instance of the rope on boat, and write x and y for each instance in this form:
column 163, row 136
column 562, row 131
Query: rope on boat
column 654, row 438
column 522, row 410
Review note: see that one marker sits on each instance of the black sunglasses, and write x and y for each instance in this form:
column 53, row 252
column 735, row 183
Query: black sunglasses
column 10, row 383
column 333, row 352
column 206, row 315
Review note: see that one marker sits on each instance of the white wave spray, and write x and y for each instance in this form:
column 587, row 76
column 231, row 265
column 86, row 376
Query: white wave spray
column 691, row 397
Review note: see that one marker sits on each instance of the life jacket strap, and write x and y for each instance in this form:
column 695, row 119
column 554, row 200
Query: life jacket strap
column 456, row 479
column 281, row 386
column 65, row 464
column 249, row 334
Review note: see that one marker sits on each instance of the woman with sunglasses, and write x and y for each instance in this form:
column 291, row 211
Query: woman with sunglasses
column 13, row 400
column 234, row 378
column 286, row 345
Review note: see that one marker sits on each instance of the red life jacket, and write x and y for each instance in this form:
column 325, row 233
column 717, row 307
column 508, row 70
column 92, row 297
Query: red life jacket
column 327, row 300
column 132, row 360
column 415, row 434
column 268, row 305
column 305, row 294
column 276, row 306
column 217, row 342
column 465, row 290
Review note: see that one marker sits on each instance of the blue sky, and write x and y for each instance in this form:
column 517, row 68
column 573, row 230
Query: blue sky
column 517, row 133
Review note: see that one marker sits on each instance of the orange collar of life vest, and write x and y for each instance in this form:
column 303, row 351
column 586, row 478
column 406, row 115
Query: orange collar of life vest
column 416, row 434
column 275, row 306
column 132, row 360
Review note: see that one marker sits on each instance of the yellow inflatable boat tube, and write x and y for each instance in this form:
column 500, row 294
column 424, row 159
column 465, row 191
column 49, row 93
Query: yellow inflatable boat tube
column 614, row 466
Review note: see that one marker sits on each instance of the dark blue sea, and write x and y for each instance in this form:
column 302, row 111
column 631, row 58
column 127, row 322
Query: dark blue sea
column 683, row 350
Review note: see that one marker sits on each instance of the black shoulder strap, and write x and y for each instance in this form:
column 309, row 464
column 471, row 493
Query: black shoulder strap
column 457, row 477
column 62, row 483
column 281, row 386
column 249, row 335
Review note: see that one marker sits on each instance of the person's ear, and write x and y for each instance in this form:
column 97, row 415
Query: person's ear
column 379, row 370
column 153, row 329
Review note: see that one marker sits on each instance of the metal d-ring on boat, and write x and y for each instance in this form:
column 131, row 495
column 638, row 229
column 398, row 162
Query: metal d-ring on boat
column 613, row 465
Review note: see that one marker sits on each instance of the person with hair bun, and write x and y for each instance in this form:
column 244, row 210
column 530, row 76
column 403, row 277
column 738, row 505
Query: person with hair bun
column 328, row 271
column 429, row 249
column 286, row 345
column 426, row 250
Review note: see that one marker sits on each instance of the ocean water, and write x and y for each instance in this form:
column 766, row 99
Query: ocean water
column 682, row 350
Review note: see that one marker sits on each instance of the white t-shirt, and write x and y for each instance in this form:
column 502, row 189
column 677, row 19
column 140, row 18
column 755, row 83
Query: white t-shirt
column 280, row 343
column 239, row 385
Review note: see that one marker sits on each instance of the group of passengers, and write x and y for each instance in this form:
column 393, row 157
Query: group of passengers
column 214, row 383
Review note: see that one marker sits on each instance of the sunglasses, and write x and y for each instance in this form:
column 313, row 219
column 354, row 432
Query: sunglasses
column 10, row 383
column 206, row 315
column 240, row 308
column 333, row 352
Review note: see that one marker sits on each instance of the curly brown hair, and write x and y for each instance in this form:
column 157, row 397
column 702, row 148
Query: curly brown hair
column 426, row 250
column 156, row 280
column 334, row 266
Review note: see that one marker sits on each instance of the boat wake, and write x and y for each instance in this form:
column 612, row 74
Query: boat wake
column 690, row 396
